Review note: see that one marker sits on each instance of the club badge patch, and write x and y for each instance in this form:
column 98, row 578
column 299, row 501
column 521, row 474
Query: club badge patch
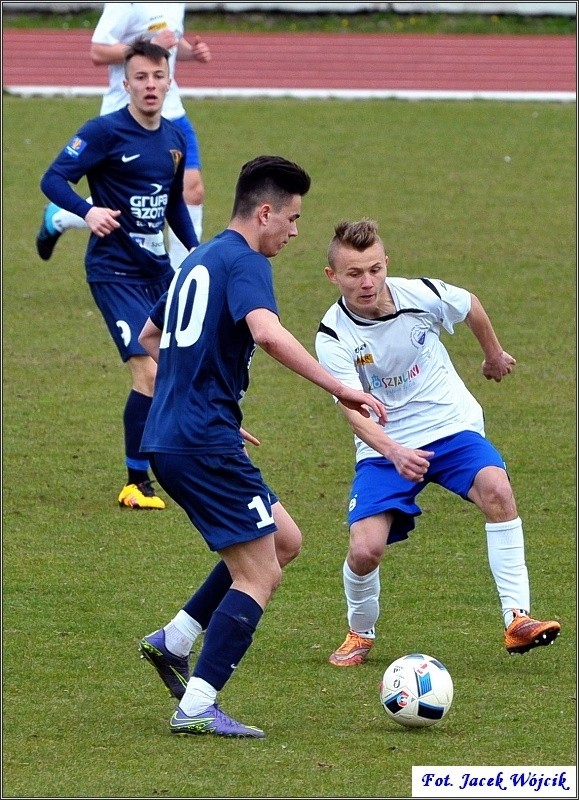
column 176, row 155
column 75, row 146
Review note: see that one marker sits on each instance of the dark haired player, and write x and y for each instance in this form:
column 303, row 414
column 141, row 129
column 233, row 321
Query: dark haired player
column 119, row 25
column 220, row 305
column 133, row 160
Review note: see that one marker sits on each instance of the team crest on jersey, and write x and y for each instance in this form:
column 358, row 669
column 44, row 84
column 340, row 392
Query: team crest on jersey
column 75, row 146
column 418, row 335
column 176, row 155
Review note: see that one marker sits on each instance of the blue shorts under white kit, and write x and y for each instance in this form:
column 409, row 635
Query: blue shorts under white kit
column 224, row 495
column 378, row 487
column 193, row 159
column 125, row 308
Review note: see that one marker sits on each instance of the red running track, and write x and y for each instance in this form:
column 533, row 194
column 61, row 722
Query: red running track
column 348, row 61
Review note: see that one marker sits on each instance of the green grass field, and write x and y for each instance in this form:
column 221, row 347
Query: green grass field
column 480, row 194
column 364, row 22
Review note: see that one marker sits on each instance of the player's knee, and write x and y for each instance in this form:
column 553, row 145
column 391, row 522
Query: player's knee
column 274, row 578
column 143, row 371
column 287, row 538
column 144, row 383
column 288, row 549
column 364, row 558
column 498, row 502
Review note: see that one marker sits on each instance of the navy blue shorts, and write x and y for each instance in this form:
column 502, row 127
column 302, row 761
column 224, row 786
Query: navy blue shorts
column 193, row 159
column 377, row 487
column 224, row 496
column 125, row 308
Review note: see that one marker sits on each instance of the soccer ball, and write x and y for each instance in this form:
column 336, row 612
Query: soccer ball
column 416, row 691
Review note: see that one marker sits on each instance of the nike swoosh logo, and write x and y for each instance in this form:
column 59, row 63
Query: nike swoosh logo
column 178, row 675
column 125, row 159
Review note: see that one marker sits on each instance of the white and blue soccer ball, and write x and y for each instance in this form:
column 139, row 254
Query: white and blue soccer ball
column 416, row 691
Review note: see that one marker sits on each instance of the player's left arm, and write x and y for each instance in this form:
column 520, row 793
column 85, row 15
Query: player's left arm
column 178, row 217
column 497, row 363
column 150, row 339
column 249, row 437
column 150, row 336
column 198, row 51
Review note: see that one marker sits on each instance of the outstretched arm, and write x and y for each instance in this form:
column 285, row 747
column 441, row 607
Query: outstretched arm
column 497, row 363
column 279, row 343
column 410, row 463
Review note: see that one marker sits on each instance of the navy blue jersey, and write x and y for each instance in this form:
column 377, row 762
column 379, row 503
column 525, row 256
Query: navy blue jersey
column 206, row 347
column 134, row 170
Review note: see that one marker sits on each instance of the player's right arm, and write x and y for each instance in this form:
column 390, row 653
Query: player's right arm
column 56, row 187
column 410, row 463
column 114, row 53
column 279, row 343
column 337, row 357
column 107, row 45
column 83, row 153
column 105, row 54
column 102, row 221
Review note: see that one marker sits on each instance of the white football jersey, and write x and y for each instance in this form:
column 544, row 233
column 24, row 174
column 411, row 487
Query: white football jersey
column 400, row 360
column 125, row 22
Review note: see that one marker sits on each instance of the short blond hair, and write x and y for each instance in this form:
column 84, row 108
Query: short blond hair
column 358, row 235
